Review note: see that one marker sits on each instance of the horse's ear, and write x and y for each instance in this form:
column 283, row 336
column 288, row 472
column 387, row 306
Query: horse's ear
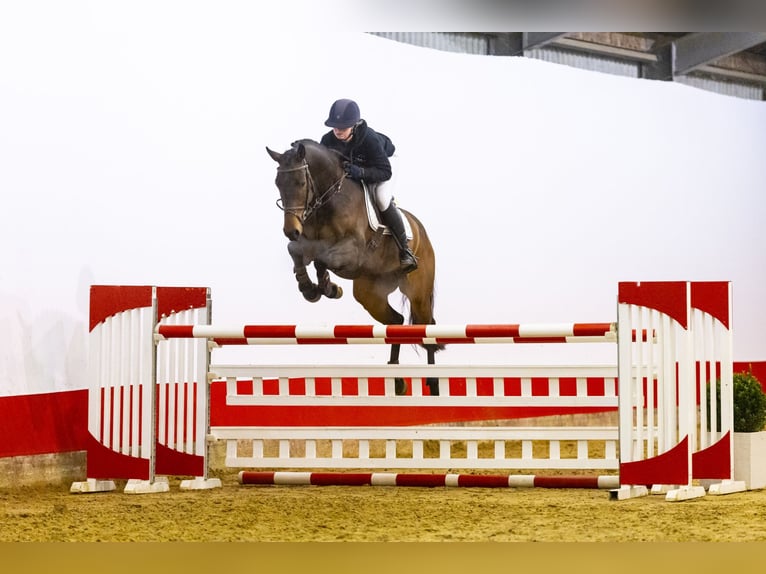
column 301, row 151
column 274, row 155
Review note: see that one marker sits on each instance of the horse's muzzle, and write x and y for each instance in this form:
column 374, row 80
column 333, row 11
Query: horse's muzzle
column 292, row 227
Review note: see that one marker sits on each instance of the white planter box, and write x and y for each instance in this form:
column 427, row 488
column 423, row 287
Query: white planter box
column 750, row 458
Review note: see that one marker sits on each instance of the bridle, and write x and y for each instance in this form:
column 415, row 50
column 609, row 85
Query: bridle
column 313, row 201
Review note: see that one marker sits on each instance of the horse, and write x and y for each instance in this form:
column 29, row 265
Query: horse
column 326, row 222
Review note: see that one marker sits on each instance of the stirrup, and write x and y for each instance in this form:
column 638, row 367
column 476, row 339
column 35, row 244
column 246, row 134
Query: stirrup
column 407, row 261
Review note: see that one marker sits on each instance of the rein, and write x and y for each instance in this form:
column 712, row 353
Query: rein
column 313, row 201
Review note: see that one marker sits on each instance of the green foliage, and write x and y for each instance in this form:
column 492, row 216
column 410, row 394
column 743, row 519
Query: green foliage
column 749, row 403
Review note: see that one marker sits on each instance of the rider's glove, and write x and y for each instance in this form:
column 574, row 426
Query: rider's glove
column 354, row 171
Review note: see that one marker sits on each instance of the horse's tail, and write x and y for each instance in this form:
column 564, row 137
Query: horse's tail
column 413, row 319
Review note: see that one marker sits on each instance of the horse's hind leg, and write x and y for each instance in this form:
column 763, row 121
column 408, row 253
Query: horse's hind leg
column 373, row 296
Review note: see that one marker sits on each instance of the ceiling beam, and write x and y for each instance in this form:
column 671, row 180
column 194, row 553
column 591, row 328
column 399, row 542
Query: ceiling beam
column 694, row 50
column 516, row 43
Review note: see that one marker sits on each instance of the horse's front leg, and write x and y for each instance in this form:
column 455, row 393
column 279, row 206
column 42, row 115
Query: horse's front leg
column 300, row 255
column 326, row 287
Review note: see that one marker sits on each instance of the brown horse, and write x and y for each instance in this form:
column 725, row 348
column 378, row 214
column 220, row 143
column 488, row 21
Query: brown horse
column 325, row 220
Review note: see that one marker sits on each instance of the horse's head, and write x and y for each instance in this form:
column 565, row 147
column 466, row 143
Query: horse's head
column 303, row 172
column 294, row 187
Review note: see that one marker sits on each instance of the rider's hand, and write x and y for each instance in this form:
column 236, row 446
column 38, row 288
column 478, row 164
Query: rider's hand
column 354, row 171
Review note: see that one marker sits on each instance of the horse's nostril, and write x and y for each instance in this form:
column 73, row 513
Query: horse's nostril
column 292, row 234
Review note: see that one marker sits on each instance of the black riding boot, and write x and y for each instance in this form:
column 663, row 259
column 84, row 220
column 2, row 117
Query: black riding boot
column 392, row 218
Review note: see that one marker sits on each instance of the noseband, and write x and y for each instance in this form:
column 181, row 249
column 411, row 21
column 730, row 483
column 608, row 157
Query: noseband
column 313, row 201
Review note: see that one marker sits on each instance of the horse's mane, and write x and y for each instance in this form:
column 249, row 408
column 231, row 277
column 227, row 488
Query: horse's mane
column 314, row 145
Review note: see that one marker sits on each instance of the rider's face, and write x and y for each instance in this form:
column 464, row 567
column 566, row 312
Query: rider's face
column 343, row 134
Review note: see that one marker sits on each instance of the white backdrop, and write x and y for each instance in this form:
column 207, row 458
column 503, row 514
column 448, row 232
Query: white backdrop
column 132, row 151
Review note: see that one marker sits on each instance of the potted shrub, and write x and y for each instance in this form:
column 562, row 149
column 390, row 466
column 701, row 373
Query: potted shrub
column 749, row 410
column 749, row 434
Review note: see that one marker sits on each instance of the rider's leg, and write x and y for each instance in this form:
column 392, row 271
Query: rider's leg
column 392, row 218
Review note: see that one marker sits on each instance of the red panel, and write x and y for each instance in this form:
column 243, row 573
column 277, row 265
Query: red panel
column 106, row 464
column 222, row 414
column 668, row 297
column 568, row 387
column 540, row 387
column 713, row 462
column 596, row 387
column 176, row 299
column 44, row 423
column 108, row 300
column 485, row 386
column 671, row 467
column 712, row 297
column 174, row 463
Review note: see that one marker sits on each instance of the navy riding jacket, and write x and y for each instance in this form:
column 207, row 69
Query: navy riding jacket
column 367, row 148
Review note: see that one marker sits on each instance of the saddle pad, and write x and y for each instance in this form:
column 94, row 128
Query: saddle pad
column 374, row 220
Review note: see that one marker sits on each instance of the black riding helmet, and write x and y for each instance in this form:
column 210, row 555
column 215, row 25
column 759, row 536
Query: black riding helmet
column 343, row 114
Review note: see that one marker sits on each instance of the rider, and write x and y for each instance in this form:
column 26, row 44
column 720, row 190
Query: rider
column 368, row 154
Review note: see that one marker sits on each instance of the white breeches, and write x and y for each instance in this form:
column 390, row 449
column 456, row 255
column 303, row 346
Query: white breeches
column 384, row 190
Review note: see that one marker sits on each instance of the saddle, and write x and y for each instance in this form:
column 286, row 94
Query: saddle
column 373, row 214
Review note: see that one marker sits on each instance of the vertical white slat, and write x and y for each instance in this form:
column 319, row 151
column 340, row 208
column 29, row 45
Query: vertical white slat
column 553, row 387
column 111, row 380
column 134, row 383
column 499, row 450
column 445, row 450
column 526, row 387
column 284, row 448
column 687, row 384
column 554, row 450
column 625, row 388
column 203, row 386
column 337, row 449
column 581, row 387
column 638, row 399
column 311, row 449
column 651, row 422
column 727, row 379
column 364, row 449
column 284, row 386
column 95, row 376
column 472, row 449
column 147, row 382
column 526, row 450
column 498, row 386
column 582, row 450
column 417, row 450
column 390, row 449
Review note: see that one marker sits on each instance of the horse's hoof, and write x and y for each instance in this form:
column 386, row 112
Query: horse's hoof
column 400, row 386
column 312, row 294
column 333, row 291
column 433, row 386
